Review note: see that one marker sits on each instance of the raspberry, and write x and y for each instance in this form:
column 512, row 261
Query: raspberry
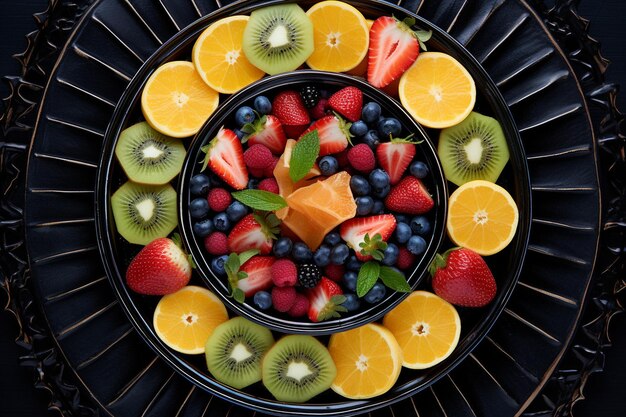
column 300, row 307
column 405, row 258
column 269, row 184
column 258, row 156
column 284, row 273
column 319, row 110
column 342, row 158
column 283, row 298
column 309, row 275
column 334, row 272
column 219, row 199
column 269, row 170
column 216, row 243
column 257, row 172
column 362, row 158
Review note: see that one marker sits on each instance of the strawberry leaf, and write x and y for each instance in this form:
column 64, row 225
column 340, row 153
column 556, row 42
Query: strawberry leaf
column 269, row 223
column 245, row 256
column 394, row 279
column 238, row 295
column 232, row 266
column 303, row 156
column 368, row 275
column 207, row 150
column 373, row 247
column 260, row 200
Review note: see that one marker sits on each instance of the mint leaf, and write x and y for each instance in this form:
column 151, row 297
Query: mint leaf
column 260, row 200
column 394, row 279
column 303, row 156
column 368, row 275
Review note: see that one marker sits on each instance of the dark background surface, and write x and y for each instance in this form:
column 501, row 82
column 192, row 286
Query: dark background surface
column 605, row 392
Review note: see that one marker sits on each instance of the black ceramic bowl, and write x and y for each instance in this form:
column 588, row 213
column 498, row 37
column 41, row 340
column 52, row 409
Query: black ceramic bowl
column 224, row 116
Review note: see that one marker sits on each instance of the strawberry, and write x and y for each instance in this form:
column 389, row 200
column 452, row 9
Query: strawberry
column 253, row 232
column 160, row 268
column 267, row 131
column 325, row 300
column 224, row 155
column 395, row 157
column 353, row 231
column 348, row 102
column 463, row 278
column 290, row 111
column 259, row 276
column 394, row 47
column 333, row 132
column 409, row 196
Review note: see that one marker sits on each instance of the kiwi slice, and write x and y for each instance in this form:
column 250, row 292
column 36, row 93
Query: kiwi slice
column 143, row 213
column 234, row 352
column 475, row 149
column 278, row 38
column 298, row 368
column 147, row 156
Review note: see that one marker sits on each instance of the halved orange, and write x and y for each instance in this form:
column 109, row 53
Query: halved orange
column 185, row 319
column 219, row 58
column 426, row 327
column 437, row 90
column 482, row 216
column 361, row 69
column 175, row 100
column 368, row 361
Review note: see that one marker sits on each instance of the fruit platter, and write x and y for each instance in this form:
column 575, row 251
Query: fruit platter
column 275, row 223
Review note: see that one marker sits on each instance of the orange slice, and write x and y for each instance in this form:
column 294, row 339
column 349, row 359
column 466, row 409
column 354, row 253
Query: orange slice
column 340, row 36
column 219, row 58
column 368, row 361
column 175, row 100
column 482, row 216
column 426, row 327
column 361, row 69
column 437, row 90
column 185, row 319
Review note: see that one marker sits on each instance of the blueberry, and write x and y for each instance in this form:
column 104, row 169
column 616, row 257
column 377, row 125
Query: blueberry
column 419, row 169
column 332, row 238
column 420, row 225
column 263, row 105
column 402, row 218
column 371, row 139
column 359, row 185
column 379, row 207
column 416, row 245
column 217, row 265
column 364, row 205
column 358, row 128
column 301, row 252
column 371, row 112
column 376, row 294
column 203, row 228
column 352, row 302
column 390, row 255
column 198, row 208
column 379, row 178
column 389, row 126
column 349, row 280
column 402, row 233
column 239, row 133
column 282, row 247
column 221, row 222
column 321, row 257
column 328, row 165
column 199, row 184
column 236, row 211
column 263, row 300
column 353, row 263
column 244, row 115
column 339, row 253
column 381, row 192
column 253, row 183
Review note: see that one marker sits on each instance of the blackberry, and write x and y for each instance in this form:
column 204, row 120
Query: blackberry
column 309, row 275
column 310, row 96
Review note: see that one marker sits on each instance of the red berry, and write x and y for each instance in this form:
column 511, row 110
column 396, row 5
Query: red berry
column 284, row 273
column 405, row 258
column 283, row 298
column 348, row 102
column 361, row 157
column 409, row 196
column 216, row 244
column 257, row 172
column 342, row 159
column 300, row 307
column 269, row 184
column 269, row 170
column 219, row 199
column 258, row 157
column 334, row 272
column 319, row 110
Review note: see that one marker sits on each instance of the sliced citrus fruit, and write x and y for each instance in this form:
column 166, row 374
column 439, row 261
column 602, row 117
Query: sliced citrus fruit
column 185, row 319
column 482, row 216
column 281, row 172
column 361, row 69
column 219, row 59
column 426, row 327
column 437, row 90
column 340, row 36
column 175, row 100
column 368, row 361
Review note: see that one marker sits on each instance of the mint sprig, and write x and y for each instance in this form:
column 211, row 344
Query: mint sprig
column 260, row 200
column 368, row 275
column 231, row 266
column 303, row 156
column 394, row 279
column 373, row 246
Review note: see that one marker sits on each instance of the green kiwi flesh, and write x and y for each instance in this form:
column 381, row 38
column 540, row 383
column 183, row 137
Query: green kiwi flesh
column 234, row 352
column 147, row 156
column 278, row 38
column 475, row 149
column 143, row 213
column 298, row 368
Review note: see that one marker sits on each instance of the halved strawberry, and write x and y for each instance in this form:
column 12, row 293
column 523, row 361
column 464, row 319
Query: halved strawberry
column 325, row 301
column 268, row 131
column 353, row 231
column 259, row 276
column 348, row 102
column 224, row 155
column 395, row 157
column 333, row 132
column 409, row 196
column 291, row 112
column 253, row 232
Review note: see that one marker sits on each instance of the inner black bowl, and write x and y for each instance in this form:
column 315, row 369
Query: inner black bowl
column 224, row 116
